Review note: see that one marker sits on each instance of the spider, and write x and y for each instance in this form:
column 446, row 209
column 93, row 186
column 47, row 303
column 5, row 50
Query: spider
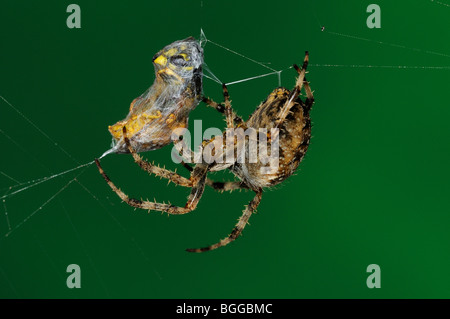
column 283, row 109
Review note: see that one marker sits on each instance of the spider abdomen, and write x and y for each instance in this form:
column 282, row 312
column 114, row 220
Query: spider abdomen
column 293, row 140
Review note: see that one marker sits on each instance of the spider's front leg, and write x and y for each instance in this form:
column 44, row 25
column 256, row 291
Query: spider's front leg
column 231, row 117
column 198, row 178
column 186, row 153
column 153, row 169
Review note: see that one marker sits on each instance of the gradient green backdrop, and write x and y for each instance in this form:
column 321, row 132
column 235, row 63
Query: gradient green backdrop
column 373, row 188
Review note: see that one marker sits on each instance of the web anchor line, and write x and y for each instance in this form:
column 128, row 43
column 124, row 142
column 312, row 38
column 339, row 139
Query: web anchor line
column 9, row 177
column 441, row 3
column 6, row 215
column 40, row 130
column 387, row 43
column 42, row 180
column 203, row 41
column 278, row 73
column 380, row 66
column 241, row 55
column 42, row 206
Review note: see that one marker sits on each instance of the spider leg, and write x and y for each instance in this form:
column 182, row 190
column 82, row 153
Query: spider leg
column 185, row 153
column 227, row 110
column 309, row 96
column 220, row 186
column 251, row 208
column 153, row 169
column 198, row 176
column 187, row 166
column 284, row 111
column 219, row 107
column 226, row 186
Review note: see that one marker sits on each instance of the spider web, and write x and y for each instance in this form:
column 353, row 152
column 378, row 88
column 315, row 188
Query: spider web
column 71, row 176
column 18, row 187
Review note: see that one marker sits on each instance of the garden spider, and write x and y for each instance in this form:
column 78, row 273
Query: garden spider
column 283, row 109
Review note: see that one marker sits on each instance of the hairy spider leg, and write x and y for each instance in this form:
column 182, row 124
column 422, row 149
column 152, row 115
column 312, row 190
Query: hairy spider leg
column 309, row 95
column 220, row 186
column 198, row 177
column 226, row 186
column 228, row 110
column 176, row 178
column 153, row 169
column 231, row 116
column 284, row 111
column 243, row 220
column 251, row 208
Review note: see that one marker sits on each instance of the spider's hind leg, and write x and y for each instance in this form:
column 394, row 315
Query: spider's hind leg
column 251, row 208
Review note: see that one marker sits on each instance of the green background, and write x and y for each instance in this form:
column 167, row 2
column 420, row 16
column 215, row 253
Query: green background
column 373, row 188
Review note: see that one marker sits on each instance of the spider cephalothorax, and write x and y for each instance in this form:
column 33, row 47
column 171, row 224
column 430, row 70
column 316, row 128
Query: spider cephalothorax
column 284, row 111
column 166, row 105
